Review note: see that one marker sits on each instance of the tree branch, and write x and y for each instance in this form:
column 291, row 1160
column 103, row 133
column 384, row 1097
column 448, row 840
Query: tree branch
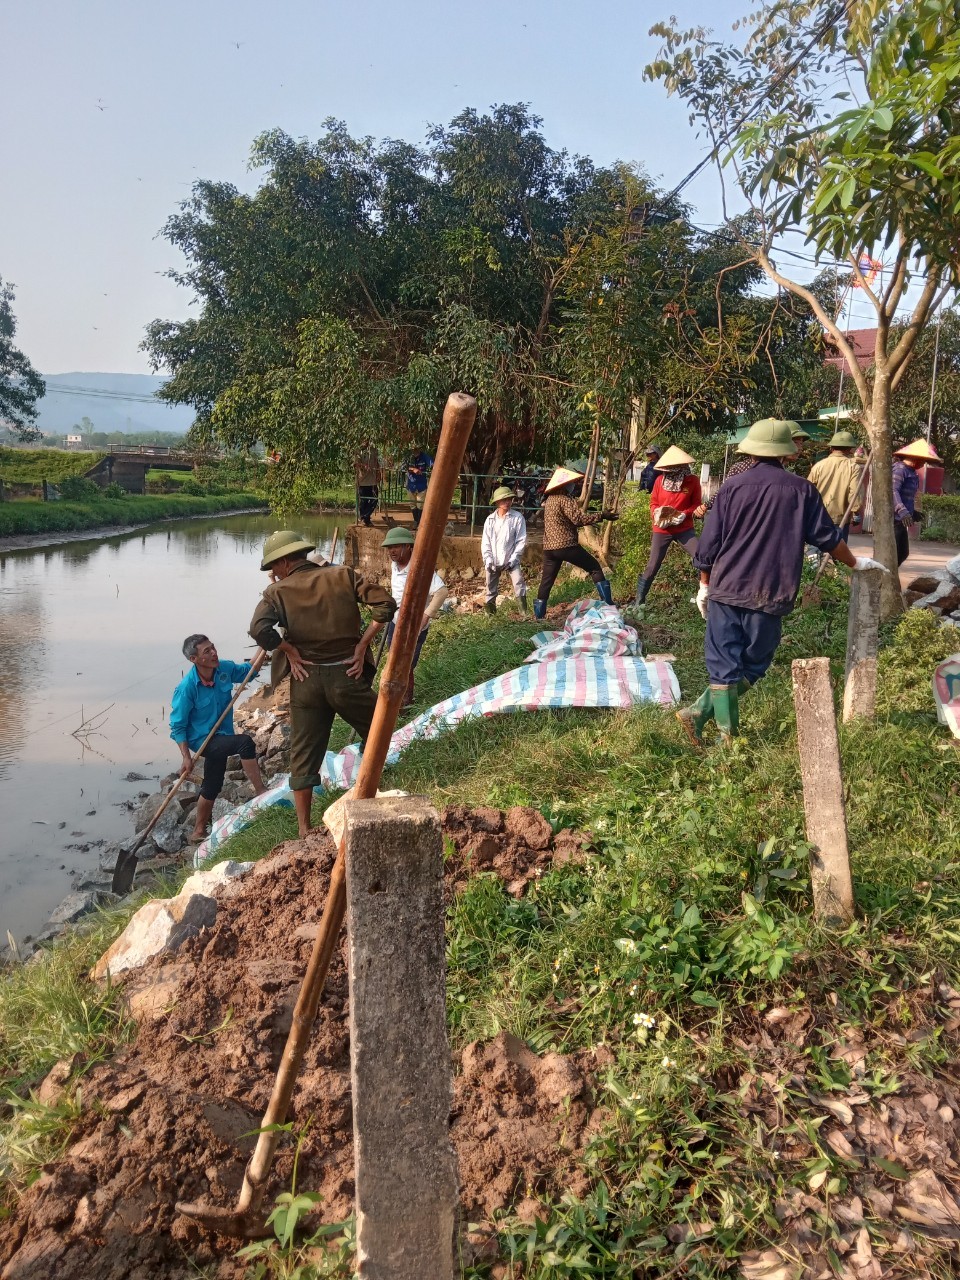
column 899, row 359
column 831, row 326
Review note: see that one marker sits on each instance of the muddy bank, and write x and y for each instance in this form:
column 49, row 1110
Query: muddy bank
column 165, row 1119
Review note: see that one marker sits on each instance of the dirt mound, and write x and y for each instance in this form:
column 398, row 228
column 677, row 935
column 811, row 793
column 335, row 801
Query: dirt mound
column 518, row 844
column 166, row 1119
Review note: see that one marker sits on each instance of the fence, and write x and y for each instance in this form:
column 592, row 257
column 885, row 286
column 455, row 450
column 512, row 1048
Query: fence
column 471, row 499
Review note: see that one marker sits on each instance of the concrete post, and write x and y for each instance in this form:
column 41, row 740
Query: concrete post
column 823, row 791
column 860, row 677
column 400, row 1056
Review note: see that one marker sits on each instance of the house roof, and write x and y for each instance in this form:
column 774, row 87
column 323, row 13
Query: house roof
column 863, row 342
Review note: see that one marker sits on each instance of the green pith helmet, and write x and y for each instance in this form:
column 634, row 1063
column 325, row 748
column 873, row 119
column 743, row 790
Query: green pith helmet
column 843, row 440
column 399, row 537
column 769, row 438
column 798, row 433
column 283, row 543
column 500, row 494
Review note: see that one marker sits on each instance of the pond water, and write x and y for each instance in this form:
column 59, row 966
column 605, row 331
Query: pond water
column 90, row 636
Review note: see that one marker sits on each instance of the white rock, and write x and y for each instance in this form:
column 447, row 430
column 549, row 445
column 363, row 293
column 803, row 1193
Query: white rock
column 953, row 568
column 221, row 807
column 164, row 924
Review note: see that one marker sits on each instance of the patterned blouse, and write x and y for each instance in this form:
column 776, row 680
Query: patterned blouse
column 561, row 519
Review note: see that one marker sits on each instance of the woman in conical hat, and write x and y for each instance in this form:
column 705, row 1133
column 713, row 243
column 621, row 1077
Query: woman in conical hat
column 562, row 518
column 906, row 463
column 674, row 502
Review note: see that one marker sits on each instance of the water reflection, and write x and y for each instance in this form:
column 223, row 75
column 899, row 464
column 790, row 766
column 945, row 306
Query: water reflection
column 91, row 631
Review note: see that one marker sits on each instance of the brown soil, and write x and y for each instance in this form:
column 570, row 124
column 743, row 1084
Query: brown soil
column 165, row 1119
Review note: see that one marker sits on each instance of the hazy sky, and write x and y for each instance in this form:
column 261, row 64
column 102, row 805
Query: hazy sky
column 113, row 110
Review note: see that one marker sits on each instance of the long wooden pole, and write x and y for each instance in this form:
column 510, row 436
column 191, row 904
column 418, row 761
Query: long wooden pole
column 458, row 419
column 126, row 868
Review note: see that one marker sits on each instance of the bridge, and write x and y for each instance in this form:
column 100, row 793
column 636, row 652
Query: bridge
column 129, row 467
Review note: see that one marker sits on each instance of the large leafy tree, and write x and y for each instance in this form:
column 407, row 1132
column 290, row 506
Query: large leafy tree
column 841, row 119
column 342, row 300
column 20, row 384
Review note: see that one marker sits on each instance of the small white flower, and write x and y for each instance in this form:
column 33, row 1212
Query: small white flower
column 635, row 988
column 668, row 1063
column 644, row 1020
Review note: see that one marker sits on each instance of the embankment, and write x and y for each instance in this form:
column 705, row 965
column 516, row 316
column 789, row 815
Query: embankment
column 34, row 524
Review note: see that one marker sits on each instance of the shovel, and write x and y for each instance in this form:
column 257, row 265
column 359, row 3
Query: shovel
column 126, row 868
column 811, row 593
column 246, row 1220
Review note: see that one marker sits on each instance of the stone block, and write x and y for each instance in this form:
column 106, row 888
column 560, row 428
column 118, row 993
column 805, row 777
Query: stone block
column 164, row 924
column 400, row 1056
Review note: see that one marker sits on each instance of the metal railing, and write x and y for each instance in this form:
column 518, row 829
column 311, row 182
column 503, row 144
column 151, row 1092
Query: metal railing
column 472, row 494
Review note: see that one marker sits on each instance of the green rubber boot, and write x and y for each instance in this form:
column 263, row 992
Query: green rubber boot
column 726, row 709
column 695, row 718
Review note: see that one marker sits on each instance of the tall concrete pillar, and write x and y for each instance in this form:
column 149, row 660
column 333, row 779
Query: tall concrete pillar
column 823, row 804
column 863, row 622
column 400, row 1055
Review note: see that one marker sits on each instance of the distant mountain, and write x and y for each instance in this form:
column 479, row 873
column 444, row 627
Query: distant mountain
column 112, row 402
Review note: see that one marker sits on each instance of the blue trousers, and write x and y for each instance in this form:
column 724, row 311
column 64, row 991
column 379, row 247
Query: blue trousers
column 740, row 643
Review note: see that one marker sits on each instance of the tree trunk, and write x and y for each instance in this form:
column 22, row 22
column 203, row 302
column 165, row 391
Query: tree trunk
column 591, row 465
column 884, row 543
column 609, row 488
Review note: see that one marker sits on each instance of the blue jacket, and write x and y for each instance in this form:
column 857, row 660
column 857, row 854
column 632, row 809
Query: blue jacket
column 195, row 706
column 417, row 480
column 906, row 482
column 753, row 538
column 648, row 476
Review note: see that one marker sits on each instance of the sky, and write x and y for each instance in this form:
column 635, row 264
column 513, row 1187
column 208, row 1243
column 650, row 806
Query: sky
column 114, row 109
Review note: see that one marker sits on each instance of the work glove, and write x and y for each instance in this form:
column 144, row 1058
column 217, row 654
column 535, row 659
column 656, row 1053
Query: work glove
column 864, row 562
column 701, row 599
column 610, row 515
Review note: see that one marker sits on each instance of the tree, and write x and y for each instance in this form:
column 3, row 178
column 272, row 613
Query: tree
column 877, row 177
column 343, row 300
column 20, row 384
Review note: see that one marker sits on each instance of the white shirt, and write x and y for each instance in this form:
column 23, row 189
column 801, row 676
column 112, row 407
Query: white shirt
column 504, row 538
column 398, row 582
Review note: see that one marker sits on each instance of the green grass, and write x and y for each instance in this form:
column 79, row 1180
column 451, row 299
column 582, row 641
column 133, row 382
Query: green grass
column 46, row 517
column 31, row 466
column 942, row 517
column 673, row 942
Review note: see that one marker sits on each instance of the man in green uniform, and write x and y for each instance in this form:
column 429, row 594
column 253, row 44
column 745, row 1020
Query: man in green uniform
column 324, row 649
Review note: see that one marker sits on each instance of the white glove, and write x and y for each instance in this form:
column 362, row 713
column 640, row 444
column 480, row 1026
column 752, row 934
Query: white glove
column 701, row 598
column 864, row 562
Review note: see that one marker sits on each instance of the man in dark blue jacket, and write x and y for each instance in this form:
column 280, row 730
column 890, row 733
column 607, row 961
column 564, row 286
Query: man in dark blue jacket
column 648, row 476
column 750, row 558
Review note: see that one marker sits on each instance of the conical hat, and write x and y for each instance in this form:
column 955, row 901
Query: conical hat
column 562, row 476
column 674, row 457
column 918, row 449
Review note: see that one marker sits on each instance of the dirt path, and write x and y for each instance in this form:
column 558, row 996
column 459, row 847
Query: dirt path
column 165, row 1119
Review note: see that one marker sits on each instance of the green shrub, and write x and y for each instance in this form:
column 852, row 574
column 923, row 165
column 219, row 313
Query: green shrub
column 78, row 489
column 192, row 488
column 905, row 667
column 632, row 533
column 114, row 490
column 942, row 517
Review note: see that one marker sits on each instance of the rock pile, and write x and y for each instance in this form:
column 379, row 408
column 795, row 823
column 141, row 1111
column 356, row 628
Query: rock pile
column 266, row 717
column 938, row 591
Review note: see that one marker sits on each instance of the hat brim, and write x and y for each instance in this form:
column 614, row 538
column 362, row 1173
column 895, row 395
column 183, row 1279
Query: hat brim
column 766, row 449
column 288, row 550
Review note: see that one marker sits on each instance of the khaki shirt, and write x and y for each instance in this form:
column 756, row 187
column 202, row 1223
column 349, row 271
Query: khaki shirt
column 837, row 479
column 318, row 607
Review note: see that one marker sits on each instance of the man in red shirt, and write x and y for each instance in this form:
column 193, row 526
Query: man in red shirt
column 675, row 500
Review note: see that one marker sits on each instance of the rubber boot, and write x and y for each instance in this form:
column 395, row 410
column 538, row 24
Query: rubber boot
column 491, row 606
column 523, row 602
column 604, row 591
column 416, row 516
column 539, row 608
column 643, row 586
column 695, row 718
column 726, row 709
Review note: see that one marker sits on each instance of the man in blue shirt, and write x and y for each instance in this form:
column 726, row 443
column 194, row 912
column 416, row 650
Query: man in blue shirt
column 906, row 463
column 417, row 468
column 648, row 476
column 750, row 557
column 198, row 701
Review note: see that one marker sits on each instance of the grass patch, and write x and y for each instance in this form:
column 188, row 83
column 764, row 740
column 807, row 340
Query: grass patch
column 32, row 466
column 46, row 517
column 682, row 946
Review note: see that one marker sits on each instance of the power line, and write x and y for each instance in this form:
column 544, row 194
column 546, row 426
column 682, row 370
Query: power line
column 102, row 393
column 833, row 17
